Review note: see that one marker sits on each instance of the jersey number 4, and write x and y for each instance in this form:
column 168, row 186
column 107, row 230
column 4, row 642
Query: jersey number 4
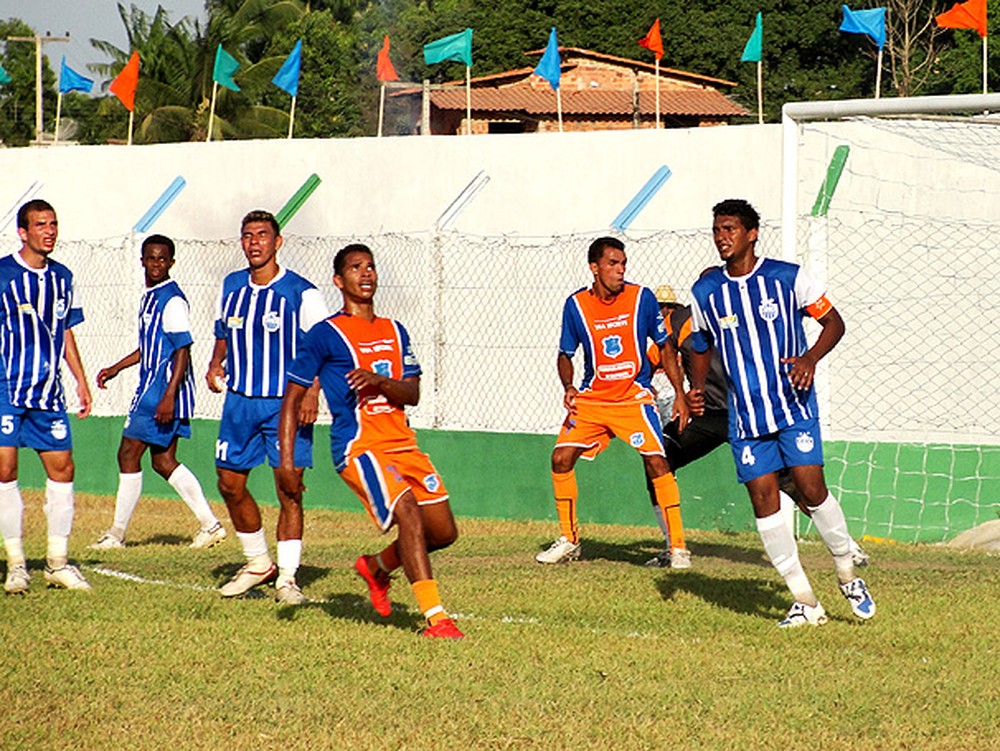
column 747, row 457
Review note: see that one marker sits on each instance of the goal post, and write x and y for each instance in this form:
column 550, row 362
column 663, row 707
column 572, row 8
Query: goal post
column 907, row 245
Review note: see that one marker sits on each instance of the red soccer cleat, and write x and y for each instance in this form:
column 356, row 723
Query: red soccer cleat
column 378, row 592
column 444, row 629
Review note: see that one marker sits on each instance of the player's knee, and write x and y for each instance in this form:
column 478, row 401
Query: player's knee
column 163, row 466
column 230, row 488
column 562, row 461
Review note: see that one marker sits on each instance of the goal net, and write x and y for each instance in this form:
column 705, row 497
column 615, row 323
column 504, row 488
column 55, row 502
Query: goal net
column 898, row 208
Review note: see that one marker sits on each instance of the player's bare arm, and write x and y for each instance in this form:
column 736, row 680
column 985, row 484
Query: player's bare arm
column 668, row 361
column 405, row 392
column 564, row 365
column 804, row 368
column 106, row 374
column 700, row 364
column 309, row 409
column 167, row 408
column 75, row 365
column 288, row 478
column 216, row 375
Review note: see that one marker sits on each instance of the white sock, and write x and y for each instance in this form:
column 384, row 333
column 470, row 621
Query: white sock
column 254, row 544
column 59, row 513
column 787, row 509
column 129, row 490
column 829, row 520
column 289, row 557
column 11, row 512
column 658, row 512
column 15, row 551
column 779, row 544
column 188, row 488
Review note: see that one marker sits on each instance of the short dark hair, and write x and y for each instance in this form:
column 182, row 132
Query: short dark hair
column 259, row 215
column 596, row 249
column 340, row 260
column 737, row 207
column 36, row 204
column 157, row 240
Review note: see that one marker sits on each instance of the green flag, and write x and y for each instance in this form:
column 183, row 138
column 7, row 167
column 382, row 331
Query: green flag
column 4, row 76
column 753, row 48
column 225, row 66
column 457, row 47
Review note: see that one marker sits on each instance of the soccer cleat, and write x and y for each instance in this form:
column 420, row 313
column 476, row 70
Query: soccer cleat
column 561, row 551
column 858, row 556
column 246, row 579
column 18, row 580
column 207, row 538
column 660, row 560
column 288, row 593
column 66, row 577
column 108, row 541
column 862, row 604
column 378, row 587
column 801, row 614
column 680, row 558
column 444, row 629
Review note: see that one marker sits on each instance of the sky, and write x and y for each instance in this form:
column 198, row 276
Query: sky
column 86, row 20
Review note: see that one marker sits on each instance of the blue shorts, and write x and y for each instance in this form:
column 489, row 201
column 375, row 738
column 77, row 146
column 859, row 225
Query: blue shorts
column 38, row 429
column 248, row 434
column 141, row 426
column 797, row 445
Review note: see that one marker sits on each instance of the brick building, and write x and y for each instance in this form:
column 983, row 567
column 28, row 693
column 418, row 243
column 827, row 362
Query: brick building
column 598, row 91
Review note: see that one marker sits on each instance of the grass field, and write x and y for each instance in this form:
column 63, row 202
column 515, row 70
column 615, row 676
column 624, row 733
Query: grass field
column 599, row 654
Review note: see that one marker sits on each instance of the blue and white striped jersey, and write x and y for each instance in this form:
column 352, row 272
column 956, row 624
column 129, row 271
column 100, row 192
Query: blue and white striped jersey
column 264, row 328
column 37, row 306
column 164, row 328
column 755, row 321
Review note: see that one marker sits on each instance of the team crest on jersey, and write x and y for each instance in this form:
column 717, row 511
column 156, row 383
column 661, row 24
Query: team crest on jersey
column 147, row 318
column 612, row 345
column 26, row 308
column 61, row 308
column 234, row 322
column 59, row 430
column 432, row 482
column 636, row 440
column 382, row 368
column 729, row 322
column 271, row 321
column 768, row 309
column 804, row 442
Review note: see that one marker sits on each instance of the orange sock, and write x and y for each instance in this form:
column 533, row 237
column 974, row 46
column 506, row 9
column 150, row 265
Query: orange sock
column 388, row 559
column 668, row 498
column 428, row 600
column 564, row 485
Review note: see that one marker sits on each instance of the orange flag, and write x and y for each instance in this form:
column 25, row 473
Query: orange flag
column 125, row 82
column 969, row 15
column 653, row 41
column 383, row 66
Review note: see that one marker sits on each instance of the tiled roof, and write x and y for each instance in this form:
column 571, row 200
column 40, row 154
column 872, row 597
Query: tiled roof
column 694, row 102
column 572, row 55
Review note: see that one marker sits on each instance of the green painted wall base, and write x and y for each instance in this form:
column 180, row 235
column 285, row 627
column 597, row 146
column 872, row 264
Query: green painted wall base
column 901, row 491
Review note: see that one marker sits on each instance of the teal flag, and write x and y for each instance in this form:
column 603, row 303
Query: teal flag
column 457, row 47
column 550, row 66
column 4, row 76
column 225, row 66
column 754, row 46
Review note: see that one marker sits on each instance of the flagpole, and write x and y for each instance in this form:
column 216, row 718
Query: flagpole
column 878, row 75
column 211, row 112
column 468, row 100
column 131, row 119
column 984, row 65
column 291, row 117
column 760, row 92
column 381, row 109
column 559, row 108
column 55, row 136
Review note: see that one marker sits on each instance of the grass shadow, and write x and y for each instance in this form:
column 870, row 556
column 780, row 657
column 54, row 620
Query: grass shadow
column 749, row 596
column 637, row 553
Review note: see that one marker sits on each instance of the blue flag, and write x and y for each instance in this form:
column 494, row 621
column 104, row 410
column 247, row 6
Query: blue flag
column 870, row 22
column 225, row 66
column 755, row 44
column 457, row 47
column 70, row 80
column 4, row 76
column 550, row 66
column 287, row 78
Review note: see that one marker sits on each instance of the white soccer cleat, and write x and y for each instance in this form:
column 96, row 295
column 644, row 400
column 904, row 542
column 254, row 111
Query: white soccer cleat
column 66, row 577
column 288, row 593
column 108, row 541
column 561, row 551
column 680, row 558
column 857, row 594
column 858, row 556
column 18, row 580
column 801, row 614
column 207, row 538
column 246, row 579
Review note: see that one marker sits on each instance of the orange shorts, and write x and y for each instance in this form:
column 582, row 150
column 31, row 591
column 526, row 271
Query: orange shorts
column 380, row 478
column 593, row 425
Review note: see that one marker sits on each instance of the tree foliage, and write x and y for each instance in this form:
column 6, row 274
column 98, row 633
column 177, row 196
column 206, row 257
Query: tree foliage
column 17, row 98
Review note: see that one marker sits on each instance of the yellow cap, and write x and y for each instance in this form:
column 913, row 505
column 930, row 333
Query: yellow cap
column 665, row 295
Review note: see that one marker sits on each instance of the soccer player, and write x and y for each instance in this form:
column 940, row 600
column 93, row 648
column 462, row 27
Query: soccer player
column 163, row 403
column 38, row 310
column 612, row 320
column 752, row 309
column 709, row 425
column 369, row 375
column 264, row 312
